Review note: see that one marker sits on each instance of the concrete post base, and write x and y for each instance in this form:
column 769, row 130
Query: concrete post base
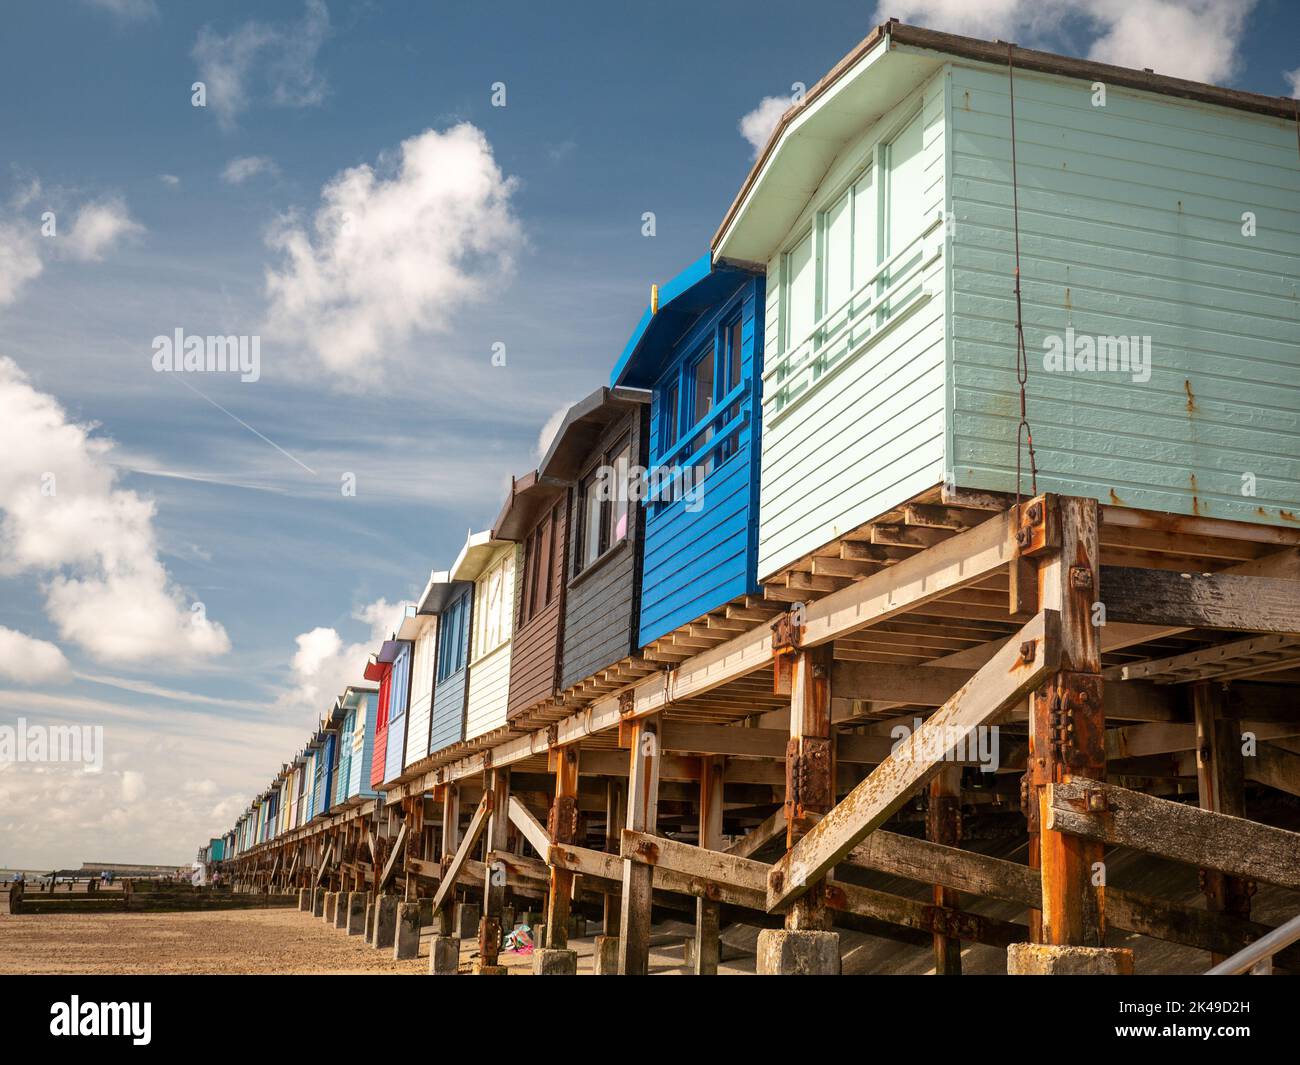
column 304, row 899
column 318, row 902
column 539, row 934
column 605, row 961
column 341, row 905
column 490, row 970
column 407, row 942
column 444, row 956
column 782, row 952
column 369, row 935
column 385, row 923
column 465, row 923
column 547, row 962
column 1037, row 959
column 331, row 906
column 357, row 908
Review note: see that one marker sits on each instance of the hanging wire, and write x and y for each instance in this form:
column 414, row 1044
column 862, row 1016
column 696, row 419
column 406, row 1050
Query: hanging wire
column 1023, row 432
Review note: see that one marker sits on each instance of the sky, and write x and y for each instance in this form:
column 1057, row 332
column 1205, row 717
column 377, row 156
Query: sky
column 439, row 224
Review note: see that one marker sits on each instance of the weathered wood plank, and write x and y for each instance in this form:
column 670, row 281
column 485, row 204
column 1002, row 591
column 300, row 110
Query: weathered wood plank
column 1200, row 601
column 529, row 827
column 760, row 835
column 1231, row 845
column 477, row 825
column 993, row 690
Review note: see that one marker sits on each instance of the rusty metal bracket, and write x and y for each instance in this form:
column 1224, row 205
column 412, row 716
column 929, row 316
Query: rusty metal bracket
column 809, row 760
column 562, row 819
column 626, row 702
column 1039, row 527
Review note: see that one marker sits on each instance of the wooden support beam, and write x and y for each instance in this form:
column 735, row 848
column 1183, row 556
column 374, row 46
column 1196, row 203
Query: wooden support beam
column 452, row 868
column 708, row 947
column 562, row 827
column 760, row 835
column 1220, row 785
column 529, row 827
column 997, row 878
column 1200, row 601
column 1067, row 727
column 1232, row 845
column 494, row 880
column 320, row 869
column 991, row 692
column 642, row 816
column 943, row 826
column 615, row 817
column 1275, row 767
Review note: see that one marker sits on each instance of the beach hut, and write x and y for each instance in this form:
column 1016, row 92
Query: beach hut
column 342, row 719
column 380, row 673
column 700, row 354
column 360, row 701
column 452, row 602
column 598, row 443
column 1160, row 340
column 420, row 630
column 535, row 517
column 490, row 565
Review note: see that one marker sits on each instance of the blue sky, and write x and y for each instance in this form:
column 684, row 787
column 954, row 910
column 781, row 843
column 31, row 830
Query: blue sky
column 524, row 230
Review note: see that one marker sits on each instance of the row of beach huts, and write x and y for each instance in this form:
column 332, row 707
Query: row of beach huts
column 832, row 390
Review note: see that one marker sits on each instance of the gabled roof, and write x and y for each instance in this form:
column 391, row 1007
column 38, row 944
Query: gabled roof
column 475, row 555
column 531, row 495
column 582, row 426
column 440, row 592
column 695, row 291
column 873, row 78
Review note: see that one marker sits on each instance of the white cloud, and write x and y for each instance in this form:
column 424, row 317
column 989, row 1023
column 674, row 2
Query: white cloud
column 133, row 786
column 324, row 665
column 131, row 10
column 66, row 519
column 1195, row 39
column 549, row 430
column 1293, row 80
column 170, row 180
column 393, row 250
column 756, row 126
column 243, row 167
column 27, row 660
column 96, row 227
column 284, row 58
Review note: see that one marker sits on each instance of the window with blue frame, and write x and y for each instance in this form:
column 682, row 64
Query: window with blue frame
column 699, row 400
column 451, row 644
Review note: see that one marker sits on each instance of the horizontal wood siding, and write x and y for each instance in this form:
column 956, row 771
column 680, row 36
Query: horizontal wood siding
column 448, row 723
column 363, row 746
column 870, row 435
column 601, row 604
column 422, row 673
column 399, row 703
column 535, row 657
column 1130, row 224
column 345, row 756
column 700, row 555
column 489, row 673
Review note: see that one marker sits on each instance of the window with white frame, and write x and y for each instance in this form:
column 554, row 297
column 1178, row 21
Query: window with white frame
column 864, row 222
column 492, row 609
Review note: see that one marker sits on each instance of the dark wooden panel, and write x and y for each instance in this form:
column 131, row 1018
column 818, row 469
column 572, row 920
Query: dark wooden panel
column 600, row 615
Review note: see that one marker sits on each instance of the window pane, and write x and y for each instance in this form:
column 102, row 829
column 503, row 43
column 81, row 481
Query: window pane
column 702, row 387
column 800, row 293
column 865, row 251
column 838, row 264
column 906, row 186
column 669, row 426
column 734, row 350
column 622, row 468
column 590, row 523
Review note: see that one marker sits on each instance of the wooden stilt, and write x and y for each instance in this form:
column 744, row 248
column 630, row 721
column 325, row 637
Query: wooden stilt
column 1220, row 781
column 1067, row 720
column 642, row 816
column 615, row 816
column 494, row 878
column 943, row 825
column 708, row 948
column 809, row 771
column 562, row 826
